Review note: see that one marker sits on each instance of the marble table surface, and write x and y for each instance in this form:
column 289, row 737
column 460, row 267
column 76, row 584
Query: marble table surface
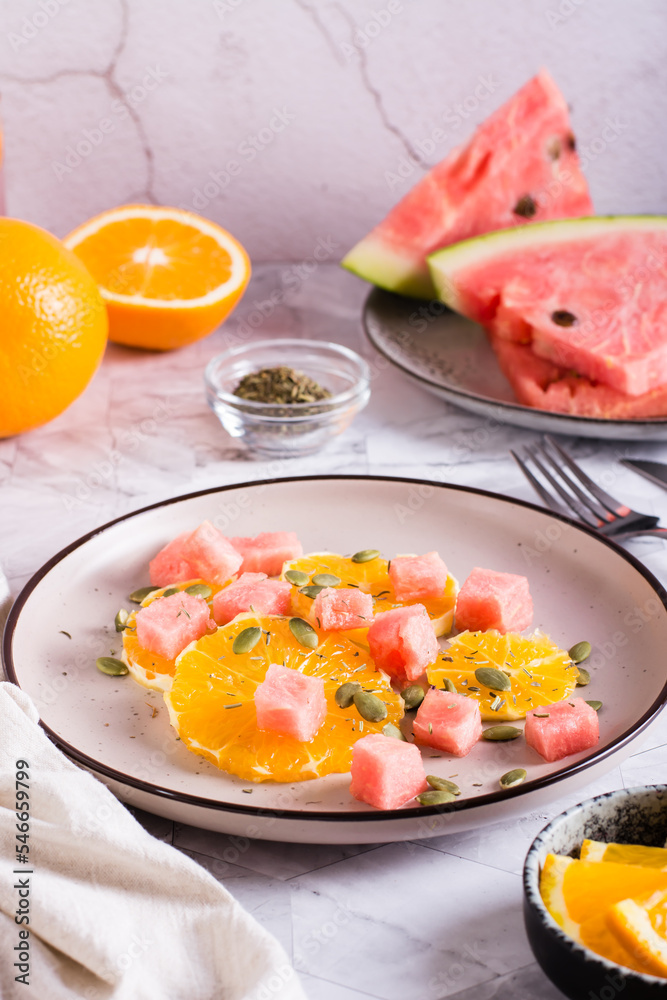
column 423, row 920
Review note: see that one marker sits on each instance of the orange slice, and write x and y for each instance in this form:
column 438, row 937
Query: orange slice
column 624, row 854
column 210, row 676
column 373, row 578
column 640, row 927
column 168, row 277
column 146, row 668
column 540, row 673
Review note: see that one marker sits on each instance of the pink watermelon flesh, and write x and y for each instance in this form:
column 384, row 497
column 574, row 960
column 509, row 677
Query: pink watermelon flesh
column 211, row 554
column 544, row 385
column 252, row 592
column 562, row 729
column 168, row 624
column 402, row 642
column 489, row 599
column 595, row 305
column 342, row 608
column 267, row 552
column 520, row 166
column 169, row 565
column 418, row 577
column 449, row 722
column 290, row 703
column 386, row 772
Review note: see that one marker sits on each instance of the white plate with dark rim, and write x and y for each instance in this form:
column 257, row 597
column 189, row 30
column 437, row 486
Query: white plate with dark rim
column 452, row 358
column 583, row 586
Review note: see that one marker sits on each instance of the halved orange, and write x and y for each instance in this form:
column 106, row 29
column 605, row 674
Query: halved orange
column 212, row 709
column 373, row 578
column 146, row 668
column 168, row 276
column 539, row 672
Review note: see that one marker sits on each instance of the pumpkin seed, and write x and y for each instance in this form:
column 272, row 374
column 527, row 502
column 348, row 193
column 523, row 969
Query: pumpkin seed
column 326, row 580
column 583, row 677
column 391, row 730
column 497, row 680
column 365, row 555
column 561, row 317
column 370, row 707
column 111, row 666
column 345, row 693
column 303, row 632
column 296, row 577
column 413, row 696
column 120, row 621
column 438, row 797
column 580, row 652
column 169, row 591
column 526, row 207
column 512, row 778
column 597, row 705
column 199, row 590
column 443, row 784
column 498, row 733
column 449, row 685
column 310, row 591
column 137, row 596
column 246, row 640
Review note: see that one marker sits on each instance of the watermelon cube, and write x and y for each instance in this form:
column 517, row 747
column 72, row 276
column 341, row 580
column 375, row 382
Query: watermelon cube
column 448, row 721
column 211, row 554
column 290, row 703
column 386, row 772
column 341, row 609
column 266, row 552
column 169, row 565
column 402, row 641
column 169, row 624
column 489, row 600
column 559, row 730
column 252, row 592
column 417, row 577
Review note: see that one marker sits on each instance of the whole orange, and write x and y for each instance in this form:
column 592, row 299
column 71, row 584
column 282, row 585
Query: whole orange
column 53, row 327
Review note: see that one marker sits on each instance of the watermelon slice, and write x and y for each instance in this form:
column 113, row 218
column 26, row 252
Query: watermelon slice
column 342, row 608
column 402, row 642
column 584, row 294
column 266, row 552
column 252, row 592
column 448, row 721
column 520, row 166
column 416, row 578
column 211, row 554
column 290, row 703
column 386, row 772
column 169, row 624
column 492, row 600
column 169, row 566
column 559, row 730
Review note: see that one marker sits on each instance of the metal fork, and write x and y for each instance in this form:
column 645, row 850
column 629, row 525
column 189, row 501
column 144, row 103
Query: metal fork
column 579, row 496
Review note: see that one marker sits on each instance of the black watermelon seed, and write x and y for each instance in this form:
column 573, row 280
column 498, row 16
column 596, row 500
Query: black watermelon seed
column 571, row 141
column 526, row 207
column 561, row 317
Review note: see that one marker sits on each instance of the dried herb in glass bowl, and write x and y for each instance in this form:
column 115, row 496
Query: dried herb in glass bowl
column 280, row 385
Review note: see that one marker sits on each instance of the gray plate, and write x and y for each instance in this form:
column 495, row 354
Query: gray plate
column 451, row 357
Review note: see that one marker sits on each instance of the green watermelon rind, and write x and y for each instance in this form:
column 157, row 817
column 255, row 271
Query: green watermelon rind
column 373, row 261
column 447, row 263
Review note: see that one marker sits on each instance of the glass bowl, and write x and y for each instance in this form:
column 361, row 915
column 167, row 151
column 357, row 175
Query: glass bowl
column 288, row 430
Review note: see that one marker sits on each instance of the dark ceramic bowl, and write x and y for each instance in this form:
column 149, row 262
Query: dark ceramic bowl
column 627, row 816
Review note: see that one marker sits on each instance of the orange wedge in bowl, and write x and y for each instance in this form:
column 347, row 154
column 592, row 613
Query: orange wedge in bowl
column 168, row 277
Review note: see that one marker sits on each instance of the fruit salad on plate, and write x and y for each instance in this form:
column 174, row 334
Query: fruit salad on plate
column 277, row 665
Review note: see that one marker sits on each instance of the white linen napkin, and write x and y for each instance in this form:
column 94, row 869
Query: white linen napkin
column 114, row 913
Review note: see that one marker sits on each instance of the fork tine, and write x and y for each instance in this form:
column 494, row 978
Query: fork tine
column 613, row 506
column 549, row 500
column 583, row 513
column 600, row 512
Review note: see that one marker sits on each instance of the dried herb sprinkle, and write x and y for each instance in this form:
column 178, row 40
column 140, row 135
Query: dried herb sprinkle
column 280, row 385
